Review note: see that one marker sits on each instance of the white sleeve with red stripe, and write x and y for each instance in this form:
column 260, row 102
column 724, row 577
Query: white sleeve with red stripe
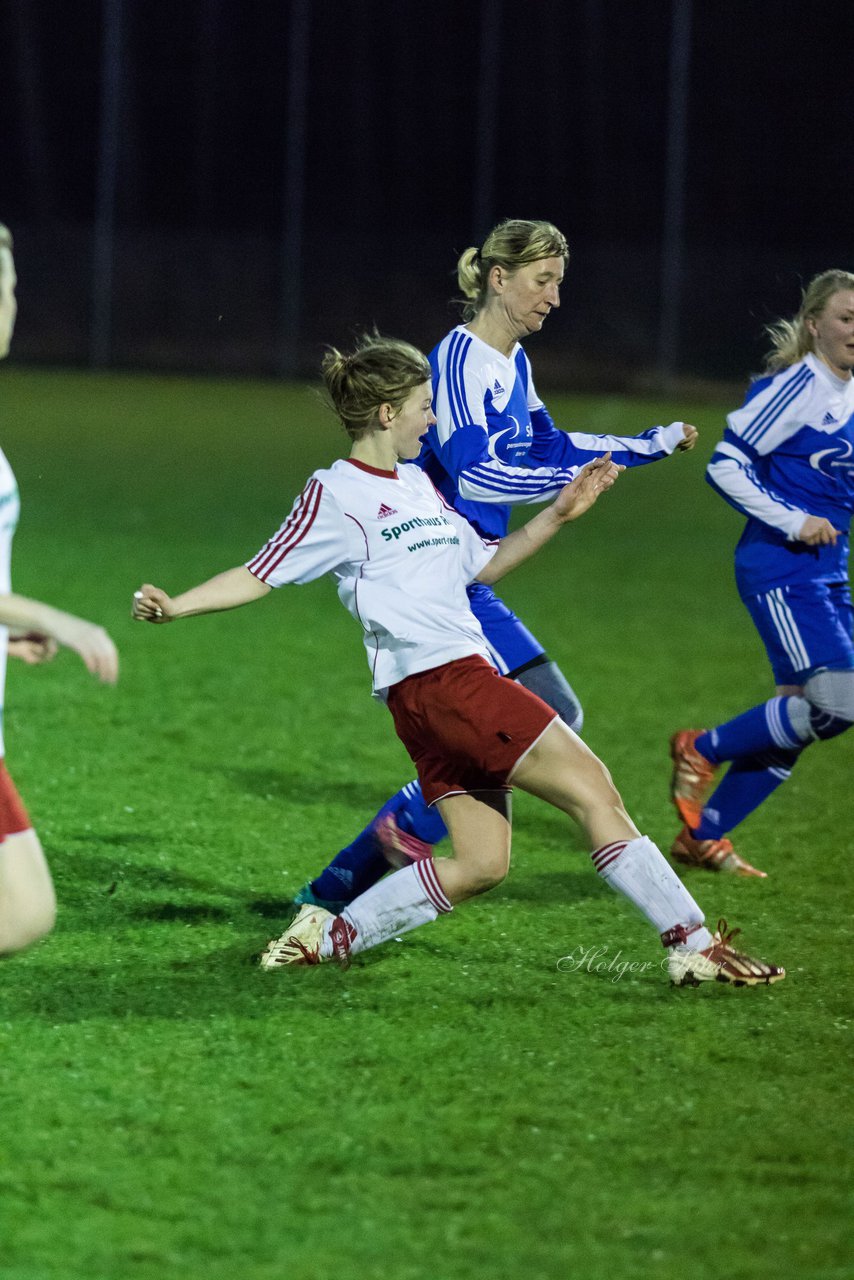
column 315, row 538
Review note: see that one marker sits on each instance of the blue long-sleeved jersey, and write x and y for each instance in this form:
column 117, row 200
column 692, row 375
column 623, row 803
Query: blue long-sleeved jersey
column 788, row 453
column 494, row 444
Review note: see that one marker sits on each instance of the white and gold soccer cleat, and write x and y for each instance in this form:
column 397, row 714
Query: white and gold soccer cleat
column 720, row 962
column 300, row 943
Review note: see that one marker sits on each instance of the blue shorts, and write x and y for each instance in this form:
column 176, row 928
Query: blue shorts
column 805, row 627
column 510, row 642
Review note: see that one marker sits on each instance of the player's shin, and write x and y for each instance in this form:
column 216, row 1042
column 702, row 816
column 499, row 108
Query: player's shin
column 747, row 784
column 637, row 869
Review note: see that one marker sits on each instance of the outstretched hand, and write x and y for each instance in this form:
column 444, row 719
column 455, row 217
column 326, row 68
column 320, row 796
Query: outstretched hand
column 150, row 604
column 580, row 494
column 92, row 644
column 32, row 647
column 690, row 436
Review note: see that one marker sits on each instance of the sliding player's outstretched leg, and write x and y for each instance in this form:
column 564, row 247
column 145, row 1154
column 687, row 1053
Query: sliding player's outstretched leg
column 560, row 769
column 563, row 771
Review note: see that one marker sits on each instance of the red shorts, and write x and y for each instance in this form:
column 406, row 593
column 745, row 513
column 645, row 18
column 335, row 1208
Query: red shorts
column 13, row 815
column 465, row 726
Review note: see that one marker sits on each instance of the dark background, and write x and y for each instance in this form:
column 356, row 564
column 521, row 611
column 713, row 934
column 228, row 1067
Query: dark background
column 204, row 185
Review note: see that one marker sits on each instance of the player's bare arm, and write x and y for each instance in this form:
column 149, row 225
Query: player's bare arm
column 90, row 641
column 572, row 501
column 87, row 639
column 228, row 590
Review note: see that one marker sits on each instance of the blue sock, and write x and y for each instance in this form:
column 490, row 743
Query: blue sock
column 748, row 783
column 362, row 863
column 767, row 727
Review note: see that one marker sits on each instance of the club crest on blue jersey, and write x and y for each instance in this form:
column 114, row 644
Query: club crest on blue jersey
column 511, row 443
column 839, row 455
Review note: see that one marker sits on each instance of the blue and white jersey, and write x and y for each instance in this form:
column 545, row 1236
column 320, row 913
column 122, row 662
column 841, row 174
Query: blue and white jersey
column 788, row 453
column 494, row 444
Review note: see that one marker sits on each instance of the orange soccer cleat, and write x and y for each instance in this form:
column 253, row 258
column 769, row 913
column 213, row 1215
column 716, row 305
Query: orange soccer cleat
column 711, row 855
column 693, row 776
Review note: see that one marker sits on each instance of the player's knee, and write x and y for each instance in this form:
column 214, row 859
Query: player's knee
column 486, row 880
column 825, row 725
column 27, row 927
column 548, row 682
column 486, row 872
column 27, row 897
column 831, row 703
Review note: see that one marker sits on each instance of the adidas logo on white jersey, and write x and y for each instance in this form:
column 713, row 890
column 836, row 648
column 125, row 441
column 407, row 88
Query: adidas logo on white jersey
column 827, row 419
column 497, row 389
column 384, row 512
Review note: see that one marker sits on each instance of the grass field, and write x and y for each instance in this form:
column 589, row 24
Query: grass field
column 458, row 1105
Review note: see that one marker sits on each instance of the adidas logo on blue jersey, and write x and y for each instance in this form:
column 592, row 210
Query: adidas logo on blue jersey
column 827, row 419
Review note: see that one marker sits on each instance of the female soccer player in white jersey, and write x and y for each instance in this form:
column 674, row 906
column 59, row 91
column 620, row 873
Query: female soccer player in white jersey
column 493, row 445
column 402, row 558
column 786, row 462
column 29, row 630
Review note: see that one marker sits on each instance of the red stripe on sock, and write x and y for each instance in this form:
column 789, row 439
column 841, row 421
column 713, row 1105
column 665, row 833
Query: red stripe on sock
column 425, row 869
column 607, row 854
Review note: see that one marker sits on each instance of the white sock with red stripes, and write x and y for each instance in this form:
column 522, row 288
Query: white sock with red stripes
column 638, row 869
column 400, row 902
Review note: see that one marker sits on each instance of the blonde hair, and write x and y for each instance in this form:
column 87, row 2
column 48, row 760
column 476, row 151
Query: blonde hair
column 379, row 371
column 791, row 339
column 512, row 244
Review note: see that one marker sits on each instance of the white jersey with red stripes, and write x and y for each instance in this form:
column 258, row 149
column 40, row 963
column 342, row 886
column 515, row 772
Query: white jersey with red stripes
column 9, row 511
column 401, row 557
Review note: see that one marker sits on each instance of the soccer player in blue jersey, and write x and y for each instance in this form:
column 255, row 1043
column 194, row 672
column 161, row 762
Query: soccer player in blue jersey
column 493, row 445
column 786, row 462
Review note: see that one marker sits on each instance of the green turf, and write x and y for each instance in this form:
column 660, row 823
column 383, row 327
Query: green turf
column 456, row 1105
